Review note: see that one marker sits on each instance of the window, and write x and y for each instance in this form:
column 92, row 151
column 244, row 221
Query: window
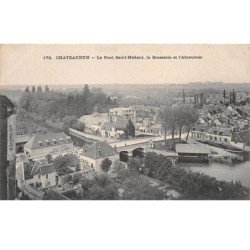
column 39, row 176
column 225, row 139
column 47, row 176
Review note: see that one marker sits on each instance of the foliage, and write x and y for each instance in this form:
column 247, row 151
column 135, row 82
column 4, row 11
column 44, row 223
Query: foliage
column 130, row 129
column 138, row 188
column 167, row 117
column 135, row 164
column 101, row 187
column 62, row 164
column 48, row 158
column 105, row 165
column 51, row 105
column 172, row 118
column 194, row 185
column 117, row 167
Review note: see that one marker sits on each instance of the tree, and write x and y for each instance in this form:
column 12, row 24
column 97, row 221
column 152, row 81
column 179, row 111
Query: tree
column 224, row 95
column 167, row 118
column 130, row 129
column 49, row 158
column 101, row 187
column 109, row 101
column 25, row 101
column 64, row 163
column 135, row 164
column 117, row 168
column 46, row 88
column 181, row 119
column 154, row 162
column 39, row 89
column 105, row 165
column 191, row 117
column 27, row 90
column 78, row 125
column 33, row 89
column 138, row 188
column 86, row 92
column 69, row 121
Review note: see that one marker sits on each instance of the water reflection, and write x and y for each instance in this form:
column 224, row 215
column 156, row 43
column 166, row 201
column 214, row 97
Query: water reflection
column 226, row 170
column 227, row 158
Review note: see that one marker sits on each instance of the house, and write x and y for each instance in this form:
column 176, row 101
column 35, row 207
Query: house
column 123, row 113
column 96, row 153
column 220, row 121
column 204, row 120
column 39, row 174
column 220, row 135
column 241, row 140
column 200, row 132
column 114, row 130
column 94, row 121
column 54, row 144
column 157, row 129
column 145, row 125
column 46, row 176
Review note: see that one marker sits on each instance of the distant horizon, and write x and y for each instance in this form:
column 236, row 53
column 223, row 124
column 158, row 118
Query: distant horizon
column 106, row 84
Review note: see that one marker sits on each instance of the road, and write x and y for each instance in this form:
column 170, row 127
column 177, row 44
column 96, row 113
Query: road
column 135, row 141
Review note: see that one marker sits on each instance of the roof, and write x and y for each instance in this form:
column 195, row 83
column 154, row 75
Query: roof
column 47, row 169
column 99, row 149
column 37, row 167
column 21, row 158
column 243, row 136
column 120, row 124
column 22, row 138
column 200, row 128
column 94, row 119
column 191, row 148
column 46, row 140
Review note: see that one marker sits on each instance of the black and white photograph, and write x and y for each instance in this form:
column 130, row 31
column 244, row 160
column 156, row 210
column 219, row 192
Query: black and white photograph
column 125, row 122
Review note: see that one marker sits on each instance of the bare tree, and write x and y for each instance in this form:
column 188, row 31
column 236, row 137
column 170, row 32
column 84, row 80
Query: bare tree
column 167, row 117
column 191, row 118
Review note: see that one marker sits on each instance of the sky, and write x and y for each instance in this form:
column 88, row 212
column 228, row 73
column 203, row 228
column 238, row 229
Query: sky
column 25, row 64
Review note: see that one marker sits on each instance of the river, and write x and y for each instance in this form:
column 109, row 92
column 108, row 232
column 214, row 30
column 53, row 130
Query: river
column 226, row 170
column 223, row 171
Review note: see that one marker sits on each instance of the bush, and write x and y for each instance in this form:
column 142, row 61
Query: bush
column 106, row 163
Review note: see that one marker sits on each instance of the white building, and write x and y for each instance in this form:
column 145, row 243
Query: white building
column 124, row 113
column 94, row 121
column 96, row 153
column 39, row 174
column 114, row 130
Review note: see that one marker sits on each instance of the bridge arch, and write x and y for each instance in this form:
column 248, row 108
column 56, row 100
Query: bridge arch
column 124, row 156
column 138, row 152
